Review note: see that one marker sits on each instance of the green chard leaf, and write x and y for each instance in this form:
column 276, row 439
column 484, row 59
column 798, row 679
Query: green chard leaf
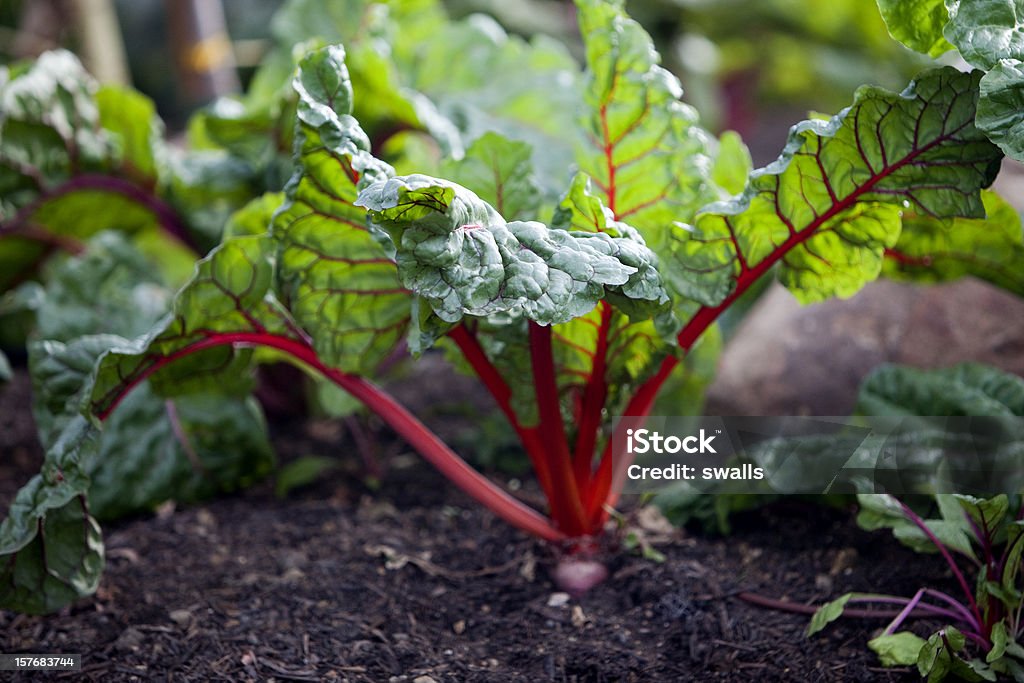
column 917, row 24
column 938, row 250
column 136, row 133
column 336, row 277
column 967, row 389
column 75, row 160
column 644, row 150
column 51, row 548
column 152, row 449
column 883, row 511
column 986, row 32
column 256, row 217
column 227, row 302
column 989, row 37
column 457, row 253
column 481, row 79
column 828, row 613
column 828, row 208
column 1000, row 106
column 897, row 649
column 500, row 172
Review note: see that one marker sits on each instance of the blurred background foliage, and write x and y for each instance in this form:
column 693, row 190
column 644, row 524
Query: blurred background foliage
column 754, row 66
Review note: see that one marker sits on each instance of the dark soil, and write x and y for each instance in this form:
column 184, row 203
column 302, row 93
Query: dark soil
column 416, row 583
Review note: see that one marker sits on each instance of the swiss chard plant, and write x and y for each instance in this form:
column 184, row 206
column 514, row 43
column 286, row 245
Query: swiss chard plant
column 983, row 632
column 575, row 268
column 978, row 539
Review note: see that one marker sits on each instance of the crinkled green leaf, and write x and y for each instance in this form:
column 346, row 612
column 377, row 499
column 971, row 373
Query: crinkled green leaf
column 828, row 208
column 986, row 31
column 49, row 127
column 938, row 250
column 828, row 613
column 644, row 295
column 51, row 551
column 917, row 24
column 644, row 151
column 336, row 278
column 500, row 172
column 897, row 649
column 966, row 389
column 1001, row 106
column 460, row 255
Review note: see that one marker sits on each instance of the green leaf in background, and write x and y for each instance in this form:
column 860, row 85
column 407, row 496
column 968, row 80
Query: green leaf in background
column 76, row 160
column 136, row 132
column 481, row 79
column 828, row 613
column 302, row 472
column 644, row 150
column 500, row 172
column 336, row 278
column 917, row 24
column 185, row 449
column 939, row 250
column 111, row 288
column 966, row 389
column 897, row 649
column 732, row 163
column 828, row 208
column 5, row 369
column 51, row 549
column 1001, row 106
column 256, row 217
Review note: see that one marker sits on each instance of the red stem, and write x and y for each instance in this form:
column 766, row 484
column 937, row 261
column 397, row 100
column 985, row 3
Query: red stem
column 394, row 414
column 594, row 396
column 492, row 379
column 566, row 505
column 944, row 551
column 706, row 315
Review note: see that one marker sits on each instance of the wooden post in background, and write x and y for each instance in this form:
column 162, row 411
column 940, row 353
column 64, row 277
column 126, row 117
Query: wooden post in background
column 202, row 50
column 102, row 44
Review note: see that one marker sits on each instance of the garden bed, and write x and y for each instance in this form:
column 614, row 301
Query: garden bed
column 415, row 583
